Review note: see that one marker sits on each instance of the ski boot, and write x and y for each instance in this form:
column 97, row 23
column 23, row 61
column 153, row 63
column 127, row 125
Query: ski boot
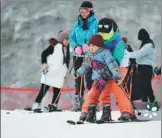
column 91, row 116
column 33, row 107
column 76, row 104
column 106, row 113
column 28, row 108
column 53, row 108
column 36, row 107
column 154, row 106
column 126, row 117
column 83, row 116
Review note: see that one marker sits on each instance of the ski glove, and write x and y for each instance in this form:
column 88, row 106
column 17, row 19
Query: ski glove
column 78, row 50
column 117, row 79
column 85, row 48
column 45, row 71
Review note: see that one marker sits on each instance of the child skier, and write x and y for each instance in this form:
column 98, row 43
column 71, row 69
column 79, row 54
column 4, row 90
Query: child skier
column 105, row 74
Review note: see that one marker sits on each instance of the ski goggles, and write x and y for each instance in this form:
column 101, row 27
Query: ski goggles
column 103, row 26
column 84, row 10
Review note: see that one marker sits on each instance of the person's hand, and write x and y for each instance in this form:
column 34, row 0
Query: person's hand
column 85, row 48
column 117, row 79
column 78, row 50
column 45, row 66
column 76, row 75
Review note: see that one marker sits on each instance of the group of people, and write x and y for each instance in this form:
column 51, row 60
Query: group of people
column 103, row 57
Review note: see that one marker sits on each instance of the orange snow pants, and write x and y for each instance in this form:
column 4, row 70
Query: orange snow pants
column 111, row 86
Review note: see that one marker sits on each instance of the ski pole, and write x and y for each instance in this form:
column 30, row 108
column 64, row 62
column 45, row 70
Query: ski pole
column 134, row 107
column 156, row 96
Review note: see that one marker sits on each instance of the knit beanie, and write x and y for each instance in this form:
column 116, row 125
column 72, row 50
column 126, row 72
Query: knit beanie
column 96, row 40
column 87, row 4
column 62, row 35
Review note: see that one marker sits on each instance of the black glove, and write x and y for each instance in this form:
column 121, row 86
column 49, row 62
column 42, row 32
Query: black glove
column 45, row 71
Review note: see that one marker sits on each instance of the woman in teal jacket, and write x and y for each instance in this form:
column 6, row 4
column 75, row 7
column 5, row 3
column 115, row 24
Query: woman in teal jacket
column 82, row 30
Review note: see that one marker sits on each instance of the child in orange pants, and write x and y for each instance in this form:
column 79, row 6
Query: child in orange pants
column 117, row 88
column 105, row 74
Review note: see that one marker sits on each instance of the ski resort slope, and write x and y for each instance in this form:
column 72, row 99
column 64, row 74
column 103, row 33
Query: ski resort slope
column 20, row 124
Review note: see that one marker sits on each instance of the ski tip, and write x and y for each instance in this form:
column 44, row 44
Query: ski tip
column 7, row 112
column 71, row 122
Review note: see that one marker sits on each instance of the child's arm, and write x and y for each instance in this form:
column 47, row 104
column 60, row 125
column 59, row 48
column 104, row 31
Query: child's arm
column 85, row 66
column 112, row 65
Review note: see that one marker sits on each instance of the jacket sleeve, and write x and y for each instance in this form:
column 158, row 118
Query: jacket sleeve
column 118, row 53
column 112, row 65
column 72, row 37
column 85, row 66
column 46, row 53
column 146, row 49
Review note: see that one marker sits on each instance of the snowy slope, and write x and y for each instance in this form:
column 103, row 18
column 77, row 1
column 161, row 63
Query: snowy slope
column 53, row 125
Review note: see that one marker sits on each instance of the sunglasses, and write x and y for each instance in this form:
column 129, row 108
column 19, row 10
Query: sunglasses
column 84, row 10
column 103, row 26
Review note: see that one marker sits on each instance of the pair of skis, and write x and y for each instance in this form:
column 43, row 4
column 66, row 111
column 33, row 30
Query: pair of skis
column 71, row 122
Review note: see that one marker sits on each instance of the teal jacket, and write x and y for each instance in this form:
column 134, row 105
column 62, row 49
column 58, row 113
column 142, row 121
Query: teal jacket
column 116, row 46
column 78, row 36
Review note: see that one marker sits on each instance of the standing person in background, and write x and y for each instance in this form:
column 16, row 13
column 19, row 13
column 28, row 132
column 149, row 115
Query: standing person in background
column 55, row 64
column 145, row 58
column 82, row 30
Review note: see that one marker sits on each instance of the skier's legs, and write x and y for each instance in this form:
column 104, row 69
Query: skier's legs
column 56, row 95
column 105, row 94
column 86, row 103
column 123, row 102
column 146, row 76
column 77, row 64
column 94, row 94
column 42, row 93
column 105, row 98
column 92, row 97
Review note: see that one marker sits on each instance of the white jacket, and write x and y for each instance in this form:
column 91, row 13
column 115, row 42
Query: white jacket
column 57, row 70
column 145, row 56
column 125, row 60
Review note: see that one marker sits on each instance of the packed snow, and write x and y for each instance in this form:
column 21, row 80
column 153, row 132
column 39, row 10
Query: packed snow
column 20, row 124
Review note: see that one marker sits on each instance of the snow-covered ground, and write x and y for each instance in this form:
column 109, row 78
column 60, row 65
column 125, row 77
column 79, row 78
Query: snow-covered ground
column 53, row 125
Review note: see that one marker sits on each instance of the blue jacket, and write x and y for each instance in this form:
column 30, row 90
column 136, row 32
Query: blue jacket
column 116, row 46
column 105, row 57
column 78, row 36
